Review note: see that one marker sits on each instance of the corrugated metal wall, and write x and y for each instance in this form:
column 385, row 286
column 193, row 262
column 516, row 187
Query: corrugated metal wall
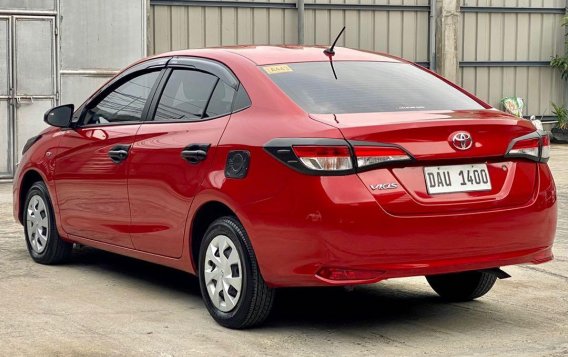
column 400, row 27
column 506, row 52
column 177, row 27
column 399, row 31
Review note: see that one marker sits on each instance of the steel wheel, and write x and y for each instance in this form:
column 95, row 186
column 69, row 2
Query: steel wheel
column 37, row 221
column 232, row 287
column 42, row 239
column 223, row 273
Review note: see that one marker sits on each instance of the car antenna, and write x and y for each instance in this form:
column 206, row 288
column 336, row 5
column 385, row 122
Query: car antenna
column 330, row 52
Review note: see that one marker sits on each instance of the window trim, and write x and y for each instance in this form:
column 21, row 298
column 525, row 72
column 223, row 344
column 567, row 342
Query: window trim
column 210, row 66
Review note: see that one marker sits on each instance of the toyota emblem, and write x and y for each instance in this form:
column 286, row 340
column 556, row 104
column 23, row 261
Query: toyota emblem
column 462, row 140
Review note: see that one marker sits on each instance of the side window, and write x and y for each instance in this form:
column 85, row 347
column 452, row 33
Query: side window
column 221, row 101
column 185, row 96
column 125, row 103
column 242, row 100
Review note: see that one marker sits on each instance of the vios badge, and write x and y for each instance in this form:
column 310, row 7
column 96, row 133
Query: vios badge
column 384, row 186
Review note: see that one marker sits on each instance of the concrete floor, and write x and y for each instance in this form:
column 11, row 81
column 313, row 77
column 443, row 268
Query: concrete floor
column 103, row 304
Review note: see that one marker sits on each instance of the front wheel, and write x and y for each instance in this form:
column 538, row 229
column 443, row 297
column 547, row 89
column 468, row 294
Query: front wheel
column 464, row 286
column 43, row 241
column 232, row 287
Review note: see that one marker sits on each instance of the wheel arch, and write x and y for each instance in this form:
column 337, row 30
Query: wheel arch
column 205, row 215
column 28, row 179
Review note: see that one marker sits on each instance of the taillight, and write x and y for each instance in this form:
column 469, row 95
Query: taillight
column 375, row 155
column 334, row 156
column 545, row 148
column 528, row 147
column 534, row 146
column 324, row 158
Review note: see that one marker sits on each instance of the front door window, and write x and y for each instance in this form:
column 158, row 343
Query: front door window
column 125, row 103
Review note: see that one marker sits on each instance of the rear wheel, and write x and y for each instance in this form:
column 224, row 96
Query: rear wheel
column 464, row 286
column 233, row 290
column 43, row 241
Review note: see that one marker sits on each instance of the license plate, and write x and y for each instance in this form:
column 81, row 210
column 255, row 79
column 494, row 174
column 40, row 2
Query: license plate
column 457, row 178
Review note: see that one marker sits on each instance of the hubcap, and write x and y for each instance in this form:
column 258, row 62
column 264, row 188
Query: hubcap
column 37, row 221
column 223, row 273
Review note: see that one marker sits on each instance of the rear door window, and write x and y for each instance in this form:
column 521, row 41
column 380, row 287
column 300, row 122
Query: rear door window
column 221, row 101
column 242, row 100
column 185, row 96
column 191, row 95
column 366, row 87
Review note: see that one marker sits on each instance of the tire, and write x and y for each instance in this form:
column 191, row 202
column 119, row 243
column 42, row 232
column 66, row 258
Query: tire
column 237, row 305
column 42, row 239
column 464, row 286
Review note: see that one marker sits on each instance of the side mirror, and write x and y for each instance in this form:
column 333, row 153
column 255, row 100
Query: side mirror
column 60, row 116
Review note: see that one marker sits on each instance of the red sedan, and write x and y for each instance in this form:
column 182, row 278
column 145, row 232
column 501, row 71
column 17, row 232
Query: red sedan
column 264, row 167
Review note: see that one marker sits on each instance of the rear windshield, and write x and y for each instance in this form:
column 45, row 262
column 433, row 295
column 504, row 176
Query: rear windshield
column 366, row 87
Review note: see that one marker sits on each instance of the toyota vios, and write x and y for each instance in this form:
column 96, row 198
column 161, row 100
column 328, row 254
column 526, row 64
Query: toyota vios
column 264, row 167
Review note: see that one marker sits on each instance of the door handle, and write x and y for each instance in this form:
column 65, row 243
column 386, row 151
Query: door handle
column 119, row 153
column 195, row 153
column 193, row 156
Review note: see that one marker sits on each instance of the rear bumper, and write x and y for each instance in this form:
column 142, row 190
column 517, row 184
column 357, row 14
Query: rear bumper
column 332, row 224
column 377, row 272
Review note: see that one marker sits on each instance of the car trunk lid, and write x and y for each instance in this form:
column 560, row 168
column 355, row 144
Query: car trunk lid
column 429, row 138
column 427, row 135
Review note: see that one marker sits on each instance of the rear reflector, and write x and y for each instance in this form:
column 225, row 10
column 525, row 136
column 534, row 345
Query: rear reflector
column 373, row 155
column 324, row 158
column 339, row 274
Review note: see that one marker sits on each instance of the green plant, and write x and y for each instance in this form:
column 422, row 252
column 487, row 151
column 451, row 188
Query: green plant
column 561, row 62
column 561, row 113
